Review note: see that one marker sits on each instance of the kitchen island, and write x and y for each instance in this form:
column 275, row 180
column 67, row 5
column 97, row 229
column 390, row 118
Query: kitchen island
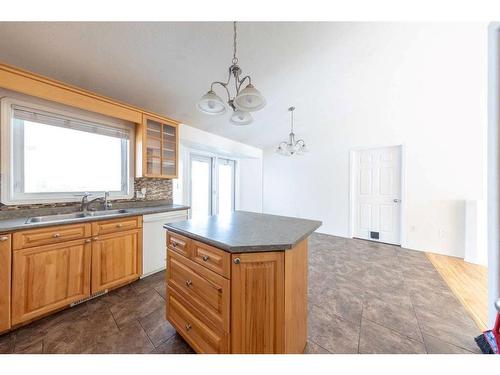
column 237, row 283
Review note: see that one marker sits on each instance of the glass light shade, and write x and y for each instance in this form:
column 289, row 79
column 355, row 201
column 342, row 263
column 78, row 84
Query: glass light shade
column 241, row 118
column 211, row 104
column 249, row 99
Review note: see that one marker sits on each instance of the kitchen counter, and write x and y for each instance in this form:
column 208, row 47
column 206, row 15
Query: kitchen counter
column 10, row 225
column 244, row 231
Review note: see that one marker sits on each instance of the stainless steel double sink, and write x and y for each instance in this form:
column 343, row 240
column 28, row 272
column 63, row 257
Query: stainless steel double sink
column 75, row 215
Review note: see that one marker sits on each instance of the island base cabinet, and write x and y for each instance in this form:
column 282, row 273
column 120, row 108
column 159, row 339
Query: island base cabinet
column 50, row 277
column 116, row 259
column 5, row 272
column 257, row 296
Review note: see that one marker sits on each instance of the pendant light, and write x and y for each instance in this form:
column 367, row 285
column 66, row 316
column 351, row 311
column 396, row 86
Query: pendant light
column 245, row 100
column 291, row 147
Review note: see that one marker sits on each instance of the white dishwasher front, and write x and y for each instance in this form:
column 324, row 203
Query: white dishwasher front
column 154, row 240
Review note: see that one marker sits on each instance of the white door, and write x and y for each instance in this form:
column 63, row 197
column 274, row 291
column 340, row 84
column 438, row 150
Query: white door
column 377, row 194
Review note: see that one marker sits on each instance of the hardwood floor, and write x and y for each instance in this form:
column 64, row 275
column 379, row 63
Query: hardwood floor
column 364, row 297
column 469, row 283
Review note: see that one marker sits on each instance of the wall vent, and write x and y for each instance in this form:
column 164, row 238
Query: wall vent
column 374, row 235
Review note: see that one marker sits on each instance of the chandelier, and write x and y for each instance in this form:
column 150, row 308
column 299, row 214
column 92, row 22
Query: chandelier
column 292, row 147
column 245, row 100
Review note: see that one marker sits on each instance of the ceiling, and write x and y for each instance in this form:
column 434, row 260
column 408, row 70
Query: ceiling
column 166, row 66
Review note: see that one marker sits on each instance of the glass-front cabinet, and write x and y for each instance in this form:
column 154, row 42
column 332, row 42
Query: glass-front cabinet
column 159, row 147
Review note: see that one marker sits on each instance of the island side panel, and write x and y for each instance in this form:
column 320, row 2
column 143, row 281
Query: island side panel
column 296, row 262
column 257, row 308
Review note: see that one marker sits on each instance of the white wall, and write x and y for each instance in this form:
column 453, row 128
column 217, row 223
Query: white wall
column 423, row 87
column 493, row 169
column 248, row 166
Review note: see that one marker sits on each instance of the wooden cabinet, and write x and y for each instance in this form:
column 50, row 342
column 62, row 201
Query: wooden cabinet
column 205, row 290
column 49, row 277
column 5, row 275
column 244, row 303
column 257, row 309
column 116, row 259
column 157, row 147
column 53, row 267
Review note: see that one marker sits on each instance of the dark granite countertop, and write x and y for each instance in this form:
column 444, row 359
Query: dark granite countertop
column 244, row 231
column 14, row 224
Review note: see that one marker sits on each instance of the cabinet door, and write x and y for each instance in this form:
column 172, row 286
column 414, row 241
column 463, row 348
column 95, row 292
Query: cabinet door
column 5, row 268
column 153, row 147
column 46, row 278
column 257, row 303
column 116, row 259
column 169, row 150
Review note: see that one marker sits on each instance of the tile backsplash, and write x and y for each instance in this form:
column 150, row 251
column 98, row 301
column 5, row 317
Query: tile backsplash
column 158, row 191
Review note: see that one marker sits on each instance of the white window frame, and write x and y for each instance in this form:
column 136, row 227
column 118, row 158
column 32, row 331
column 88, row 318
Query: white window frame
column 9, row 196
column 214, row 178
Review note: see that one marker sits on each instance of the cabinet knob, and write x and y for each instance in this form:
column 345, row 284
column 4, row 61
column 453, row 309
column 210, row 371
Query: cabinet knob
column 87, row 240
column 56, row 235
column 174, row 244
column 205, row 258
column 95, row 238
column 188, row 326
column 189, row 283
column 4, row 238
column 119, row 225
column 236, row 261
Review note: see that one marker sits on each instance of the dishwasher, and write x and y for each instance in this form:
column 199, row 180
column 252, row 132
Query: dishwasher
column 154, row 239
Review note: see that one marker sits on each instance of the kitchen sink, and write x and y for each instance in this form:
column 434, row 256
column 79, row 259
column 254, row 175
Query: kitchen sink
column 75, row 215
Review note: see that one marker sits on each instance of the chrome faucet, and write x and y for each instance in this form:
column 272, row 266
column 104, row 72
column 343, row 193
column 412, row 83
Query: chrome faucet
column 107, row 203
column 85, row 202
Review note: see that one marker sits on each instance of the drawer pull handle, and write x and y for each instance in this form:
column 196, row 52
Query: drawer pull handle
column 4, row 238
column 174, row 244
column 56, row 235
column 119, row 225
column 236, row 261
column 188, row 326
column 205, row 258
column 189, row 283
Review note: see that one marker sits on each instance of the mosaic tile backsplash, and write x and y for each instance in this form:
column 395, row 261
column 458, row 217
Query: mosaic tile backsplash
column 158, row 192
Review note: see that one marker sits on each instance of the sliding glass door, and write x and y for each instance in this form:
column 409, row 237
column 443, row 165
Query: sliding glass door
column 225, row 172
column 212, row 185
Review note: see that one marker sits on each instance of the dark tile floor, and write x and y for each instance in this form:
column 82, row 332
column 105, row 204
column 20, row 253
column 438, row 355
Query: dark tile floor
column 364, row 297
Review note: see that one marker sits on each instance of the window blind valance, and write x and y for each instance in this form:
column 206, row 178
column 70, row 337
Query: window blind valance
column 47, row 118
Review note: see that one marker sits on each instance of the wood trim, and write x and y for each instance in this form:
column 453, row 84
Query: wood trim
column 33, row 84
column 5, row 280
column 296, row 298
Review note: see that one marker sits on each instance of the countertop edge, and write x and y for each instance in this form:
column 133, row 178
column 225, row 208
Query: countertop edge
column 133, row 211
column 240, row 249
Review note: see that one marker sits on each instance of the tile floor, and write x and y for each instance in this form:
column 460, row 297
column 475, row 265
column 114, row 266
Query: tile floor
column 364, row 297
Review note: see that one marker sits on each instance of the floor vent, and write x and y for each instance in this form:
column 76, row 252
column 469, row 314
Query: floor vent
column 98, row 294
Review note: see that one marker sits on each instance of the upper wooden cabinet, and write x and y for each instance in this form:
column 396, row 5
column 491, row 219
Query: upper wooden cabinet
column 157, row 141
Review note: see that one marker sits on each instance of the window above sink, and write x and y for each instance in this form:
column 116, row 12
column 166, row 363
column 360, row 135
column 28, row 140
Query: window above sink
column 49, row 155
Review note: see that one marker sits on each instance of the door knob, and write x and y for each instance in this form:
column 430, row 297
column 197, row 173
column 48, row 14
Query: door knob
column 236, row 261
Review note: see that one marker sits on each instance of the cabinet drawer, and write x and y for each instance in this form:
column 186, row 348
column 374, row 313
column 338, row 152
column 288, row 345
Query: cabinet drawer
column 116, row 225
column 50, row 235
column 206, row 290
column 214, row 259
column 178, row 243
column 202, row 337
